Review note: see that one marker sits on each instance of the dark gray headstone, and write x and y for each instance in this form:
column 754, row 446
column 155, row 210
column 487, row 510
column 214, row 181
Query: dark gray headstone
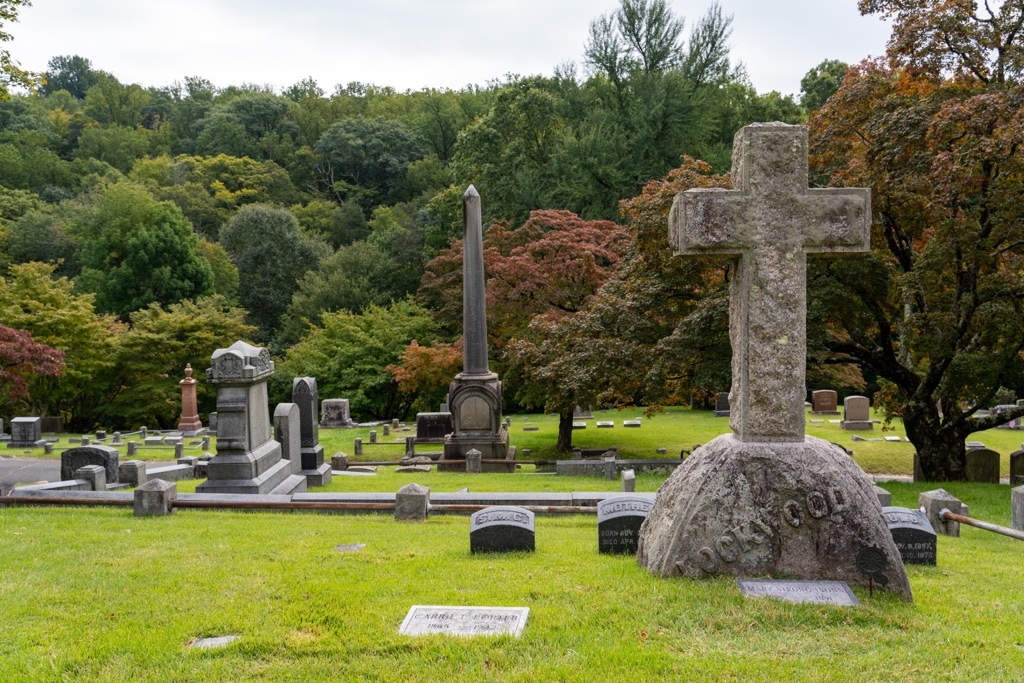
column 50, row 425
column 618, row 523
column 25, row 431
column 983, row 465
column 501, row 529
column 433, row 425
column 75, row 458
column 722, row 404
column 1017, row 468
column 912, row 533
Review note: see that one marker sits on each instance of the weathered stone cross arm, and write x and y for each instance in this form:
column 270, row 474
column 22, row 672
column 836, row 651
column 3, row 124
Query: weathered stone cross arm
column 771, row 221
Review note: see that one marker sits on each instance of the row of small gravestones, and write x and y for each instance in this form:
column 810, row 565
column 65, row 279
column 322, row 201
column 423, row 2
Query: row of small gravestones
column 511, row 529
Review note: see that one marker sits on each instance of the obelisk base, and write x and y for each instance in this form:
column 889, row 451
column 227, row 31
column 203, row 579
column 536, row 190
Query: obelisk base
column 475, row 403
column 786, row 510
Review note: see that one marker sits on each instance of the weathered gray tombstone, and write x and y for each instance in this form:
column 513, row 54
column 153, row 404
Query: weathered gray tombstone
column 387, row 429
column 722, row 404
column 1017, row 508
column 412, row 502
column 373, row 436
column 618, row 523
column 339, row 461
column 856, row 414
column 305, row 396
column 501, row 529
column 475, row 394
column 628, row 481
column 248, row 460
column 767, row 499
column 395, row 423
column 132, row 472
column 433, row 427
column 143, row 433
column 473, row 464
column 179, row 450
column 101, row 435
column 25, row 431
column 1017, row 468
column 287, row 433
column 96, row 475
column 155, row 498
column 933, row 503
column 357, row 446
column 823, row 402
column 884, row 497
column 133, row 448
column 212, row 428
column 116, row 440
column 335, row 413
column 982, row 466
column 104, row 456
column 912, row 533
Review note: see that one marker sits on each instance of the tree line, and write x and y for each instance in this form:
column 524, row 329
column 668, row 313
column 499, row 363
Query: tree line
column 143, row 227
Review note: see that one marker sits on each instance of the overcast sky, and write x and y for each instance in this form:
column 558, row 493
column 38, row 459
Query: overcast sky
column 407, row 44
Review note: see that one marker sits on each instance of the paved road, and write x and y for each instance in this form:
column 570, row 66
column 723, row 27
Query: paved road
column 28, row 470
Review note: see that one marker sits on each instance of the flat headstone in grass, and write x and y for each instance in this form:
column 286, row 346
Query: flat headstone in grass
column 531, row 429
column 350, row 547
column 212, row 643
column 579, row 425
column 413, row 469
column 605, row 424
column 501, row 529
column 631, row 423
column 814, row 592
column 425, row 620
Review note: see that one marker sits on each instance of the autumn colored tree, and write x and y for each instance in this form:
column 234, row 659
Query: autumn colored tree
column 936, row 130
column 656, row 330
column 21, row 356
column 426, row 372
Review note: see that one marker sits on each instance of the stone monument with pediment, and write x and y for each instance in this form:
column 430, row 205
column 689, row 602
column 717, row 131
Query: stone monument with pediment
column 248, row 458
column 474, row 397
column 767, row 499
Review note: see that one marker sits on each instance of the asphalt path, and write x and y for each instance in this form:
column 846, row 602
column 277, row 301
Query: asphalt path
column 29, row 470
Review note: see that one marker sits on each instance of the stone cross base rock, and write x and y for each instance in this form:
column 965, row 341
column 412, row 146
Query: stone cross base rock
column 787, row 510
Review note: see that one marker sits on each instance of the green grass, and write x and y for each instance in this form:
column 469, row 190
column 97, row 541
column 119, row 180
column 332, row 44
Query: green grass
column 99, row 595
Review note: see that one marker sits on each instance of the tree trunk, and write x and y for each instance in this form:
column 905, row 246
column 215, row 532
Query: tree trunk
column 941, row 453
column 564, row 444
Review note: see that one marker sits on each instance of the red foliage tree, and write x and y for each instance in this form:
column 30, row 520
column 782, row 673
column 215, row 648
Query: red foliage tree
column 21, row 355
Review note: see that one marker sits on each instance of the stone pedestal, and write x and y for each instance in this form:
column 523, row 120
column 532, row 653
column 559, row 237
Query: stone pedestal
column 248, row 460
column 475, row 402
column 189, row 422
column 411, row 503
column 793, row 510
column 155, row 498
column 94, row 474
column 335, row 413
column 25, row 432
column 934, row 502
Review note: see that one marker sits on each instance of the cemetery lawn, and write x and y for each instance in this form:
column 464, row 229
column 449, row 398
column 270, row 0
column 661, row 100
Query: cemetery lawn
column 99, row 595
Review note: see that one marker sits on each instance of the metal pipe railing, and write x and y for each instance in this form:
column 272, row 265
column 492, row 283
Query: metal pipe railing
column 950, row 516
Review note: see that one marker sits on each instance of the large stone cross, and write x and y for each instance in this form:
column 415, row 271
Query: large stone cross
column 770, row 222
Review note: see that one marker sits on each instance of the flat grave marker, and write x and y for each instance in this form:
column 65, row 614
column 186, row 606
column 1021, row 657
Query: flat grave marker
column 424, row 620
column 814, row 592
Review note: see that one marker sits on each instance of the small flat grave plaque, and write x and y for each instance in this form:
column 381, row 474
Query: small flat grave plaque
column 816, row 592
column 912, row 533
column 605, row 424
column 631, row 423
column 531, row 429
column 350, row 547
column 212, row 643
column 618, row 523
column 424, row 620
column 579, row 425
column 893, row 438
column 501, row 529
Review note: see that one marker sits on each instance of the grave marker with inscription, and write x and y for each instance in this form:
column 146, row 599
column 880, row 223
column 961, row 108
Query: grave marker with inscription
column 913, row 535
column 25, row 432
column 425, row 620
column 767, row 499
column 814, row 592
column 823, row 402
column 618, row 523
column 501, row 529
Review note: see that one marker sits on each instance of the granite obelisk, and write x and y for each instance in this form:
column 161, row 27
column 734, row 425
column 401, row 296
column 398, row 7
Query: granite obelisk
column 474, row 396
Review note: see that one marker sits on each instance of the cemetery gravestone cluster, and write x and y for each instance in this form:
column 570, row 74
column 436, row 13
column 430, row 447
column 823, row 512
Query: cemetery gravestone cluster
column 767, row 499
column 248, row 460
column 106, row 457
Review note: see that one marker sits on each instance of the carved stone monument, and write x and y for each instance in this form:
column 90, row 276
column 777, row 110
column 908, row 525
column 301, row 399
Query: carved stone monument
column 25, row 432
column 823, row 402
column 474, row 397
column 856, row 413
column 248, row 460
column 335, row 413
column 766, row 499
column 189, row 423
column 304, row 395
